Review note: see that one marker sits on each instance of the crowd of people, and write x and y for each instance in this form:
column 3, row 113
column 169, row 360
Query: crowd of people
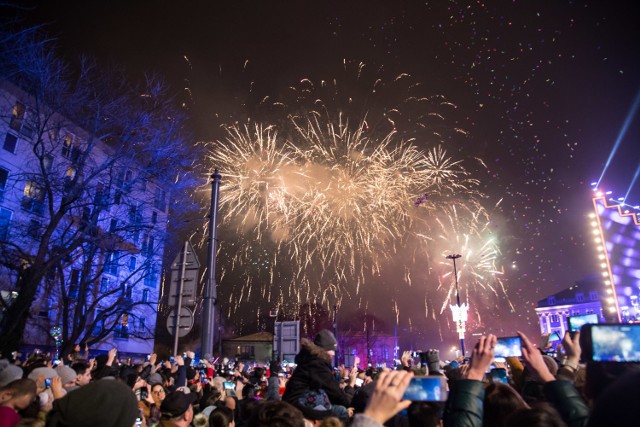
column 532, row 390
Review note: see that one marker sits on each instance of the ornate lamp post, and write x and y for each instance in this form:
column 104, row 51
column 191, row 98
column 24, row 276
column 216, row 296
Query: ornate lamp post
column 458, row 311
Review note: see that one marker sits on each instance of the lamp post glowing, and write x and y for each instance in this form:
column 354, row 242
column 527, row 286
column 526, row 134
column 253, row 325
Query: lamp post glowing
column 458, row 311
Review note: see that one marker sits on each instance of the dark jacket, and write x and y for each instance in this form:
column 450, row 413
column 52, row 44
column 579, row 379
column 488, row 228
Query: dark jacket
column 465, row 404
column 314, row 372
column 568, row 401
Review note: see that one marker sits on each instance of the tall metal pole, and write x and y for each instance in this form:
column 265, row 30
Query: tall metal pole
column 210, row 291
column 335, row 332
column 459, row 316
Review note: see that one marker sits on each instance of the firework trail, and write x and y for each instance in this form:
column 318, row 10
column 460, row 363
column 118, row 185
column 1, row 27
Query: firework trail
column 323, row 201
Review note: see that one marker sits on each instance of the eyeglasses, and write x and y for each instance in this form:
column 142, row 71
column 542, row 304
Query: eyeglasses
column 161, row 391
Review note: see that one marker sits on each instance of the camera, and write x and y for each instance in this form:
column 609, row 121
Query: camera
column 611, row 342
column 508, row 347
column 427, row 389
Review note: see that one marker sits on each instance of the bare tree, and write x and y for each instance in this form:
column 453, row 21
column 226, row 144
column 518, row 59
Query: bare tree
column 102, row 162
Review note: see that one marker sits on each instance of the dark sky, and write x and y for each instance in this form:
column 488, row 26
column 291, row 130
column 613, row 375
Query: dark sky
column 541, row 87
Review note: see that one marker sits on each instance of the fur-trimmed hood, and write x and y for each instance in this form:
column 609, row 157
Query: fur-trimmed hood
column 310, row 351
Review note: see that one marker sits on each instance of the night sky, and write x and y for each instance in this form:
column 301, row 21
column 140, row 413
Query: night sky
column 541, row 89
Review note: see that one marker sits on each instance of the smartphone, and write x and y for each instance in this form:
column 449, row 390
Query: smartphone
column 576, row 322
column 47, row 382
column 611, row 342
column 138, row 422
column 427, row 389
column 148, row 357
column 359, row 382
column 508, row 347
column 499, row 375
column 172, row 359
column 144, row 393
column 229, row 385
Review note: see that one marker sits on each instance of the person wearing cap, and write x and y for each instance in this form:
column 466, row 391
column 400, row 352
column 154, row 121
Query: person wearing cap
column 314, row 372
column 177, row 409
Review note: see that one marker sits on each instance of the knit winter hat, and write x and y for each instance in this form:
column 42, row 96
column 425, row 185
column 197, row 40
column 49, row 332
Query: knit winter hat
column 9, row 374
column 66, row 374
column 326, row 340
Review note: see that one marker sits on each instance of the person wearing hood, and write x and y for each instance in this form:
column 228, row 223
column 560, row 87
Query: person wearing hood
column 314, row 372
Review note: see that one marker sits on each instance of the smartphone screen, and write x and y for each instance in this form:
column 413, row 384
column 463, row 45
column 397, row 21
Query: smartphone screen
column 229, row 385
column 576, row 322
column 508, row 347
column 615, row 342
column 359, row 382
column 47, row 382
column 499, row 375
column 427, row 389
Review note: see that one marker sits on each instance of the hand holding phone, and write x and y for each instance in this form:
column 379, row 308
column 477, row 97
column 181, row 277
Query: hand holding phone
column 427, row 389
column 534, row 361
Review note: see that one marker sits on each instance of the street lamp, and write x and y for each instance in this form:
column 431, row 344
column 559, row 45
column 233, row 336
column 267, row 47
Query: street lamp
column 458, row 311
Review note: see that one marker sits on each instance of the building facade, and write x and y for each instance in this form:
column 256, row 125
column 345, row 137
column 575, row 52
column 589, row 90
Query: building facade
column 580, row 299
column 62, row 190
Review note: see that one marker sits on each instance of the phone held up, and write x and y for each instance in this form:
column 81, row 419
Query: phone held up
column 611, row 342
column 508, row 347
column 427, row 389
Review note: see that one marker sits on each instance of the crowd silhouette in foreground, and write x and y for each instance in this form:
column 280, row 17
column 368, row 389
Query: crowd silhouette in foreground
column 535, row 389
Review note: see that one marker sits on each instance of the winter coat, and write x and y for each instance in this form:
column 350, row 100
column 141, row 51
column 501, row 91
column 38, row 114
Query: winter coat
column 567, row 400
column 465, row 404
column 314, row 372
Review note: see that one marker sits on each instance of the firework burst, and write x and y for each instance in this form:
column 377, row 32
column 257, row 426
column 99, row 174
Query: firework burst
column 325, row 203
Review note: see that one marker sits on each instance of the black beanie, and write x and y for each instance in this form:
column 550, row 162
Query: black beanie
column 326, row 340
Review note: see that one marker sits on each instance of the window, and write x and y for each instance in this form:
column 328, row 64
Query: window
column 135, row 215
column 160, row 199
column 580, row 297
column 141, row 324
column 555, row 318
column 5, row 221
column 132, row 263
column 551, row 300
column 18, row 120
column 33, row 199
column 47, row 162
column 151, row 278
column 593, row 296
column 67, row 142
column 98, row 323
column 34, row 228
column 4, row 177
column 154, row 217
column 145, row 295
column 129, row 292
column 111, row 263
column 17, row 116
column 113, row 225
column 122, row 328
column 104, row 284
column 150, row 244
column 74, row 284
column 247, row 350
column 10, row 143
